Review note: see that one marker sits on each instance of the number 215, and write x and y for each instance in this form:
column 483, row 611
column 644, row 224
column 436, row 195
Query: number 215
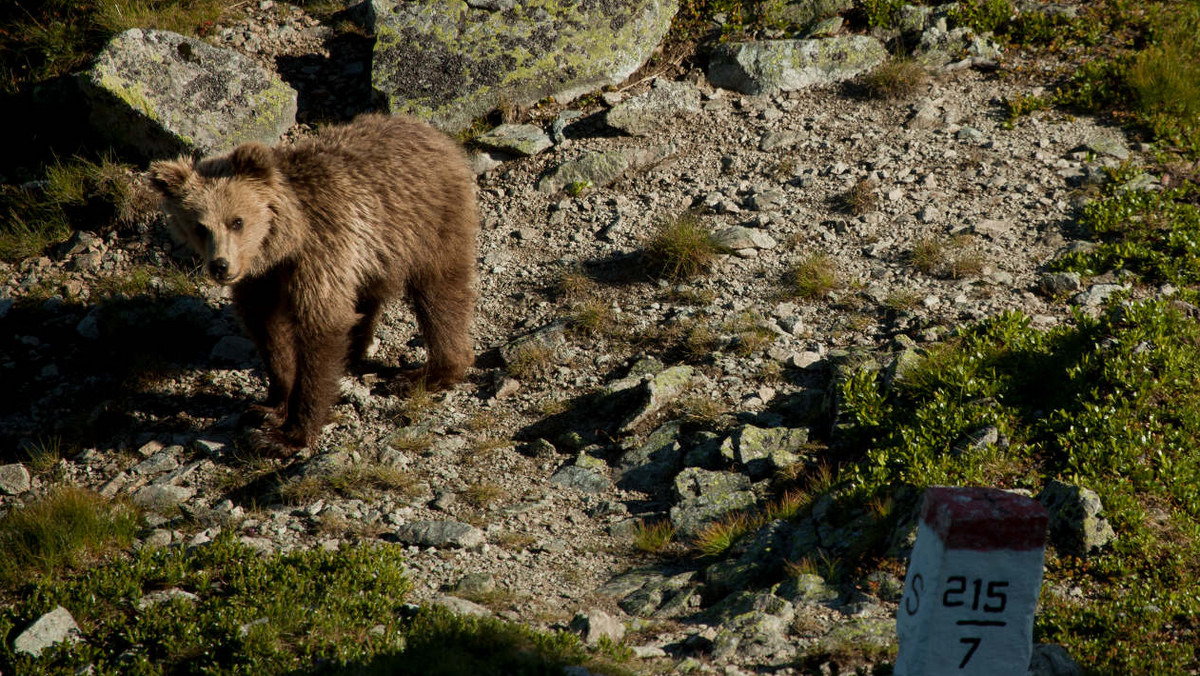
column 995, row 600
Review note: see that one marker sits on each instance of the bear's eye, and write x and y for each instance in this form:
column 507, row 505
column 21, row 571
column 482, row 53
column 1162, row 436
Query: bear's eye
column 235, row 224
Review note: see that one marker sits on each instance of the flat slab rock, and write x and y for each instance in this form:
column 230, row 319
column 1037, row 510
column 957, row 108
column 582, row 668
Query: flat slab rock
column 451, row 61
column 160, row 93
column 772, row 66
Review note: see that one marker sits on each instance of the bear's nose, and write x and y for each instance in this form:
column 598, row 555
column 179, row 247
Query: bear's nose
column 218, row 269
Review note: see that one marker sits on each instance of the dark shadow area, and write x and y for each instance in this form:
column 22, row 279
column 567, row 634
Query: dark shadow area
column 47, row 121
column 78, row 376
column 337, row 87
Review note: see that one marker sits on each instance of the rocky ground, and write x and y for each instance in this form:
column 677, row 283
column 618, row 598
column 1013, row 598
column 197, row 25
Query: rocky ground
column 520, row 492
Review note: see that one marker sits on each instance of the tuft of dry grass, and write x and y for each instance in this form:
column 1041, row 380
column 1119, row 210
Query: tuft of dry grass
column 896, row 79
column 813, row 277
column 681, row 248
column 653, row 537
column 861, row 198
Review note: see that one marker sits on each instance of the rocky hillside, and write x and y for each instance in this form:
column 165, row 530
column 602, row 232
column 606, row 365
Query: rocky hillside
column 614, row 394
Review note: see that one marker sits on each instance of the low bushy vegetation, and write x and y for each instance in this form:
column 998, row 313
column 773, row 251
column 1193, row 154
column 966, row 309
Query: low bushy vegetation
column 229, row 609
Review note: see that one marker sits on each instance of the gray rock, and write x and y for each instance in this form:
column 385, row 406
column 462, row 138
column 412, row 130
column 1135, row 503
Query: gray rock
column 1096, row 295
column 1077, row 524
column 233, row 350
column 754, row 635
column 447, row 62
column 1107, row 145
column 162, row 498
column 763, row 451
column 761, row 560
column 600, row 168
column 648, row 112
column 801, row 14
column 773, row 66
column 1059, row 283
column 460, row 607
column 655, row 393
column 584, row 479
column 867, row 632
column 161, row 93
column 694, row 482
column 165, row 595
column 925, row 115
column 690, row 516
column 737, row 237
column 476, row 584
column 651, row 465
column 50, row 629
column 89, row 326
column 523, row 140
column 14, row 479
column 1049, row 659
column 550, row 337
column 441, row 534
column 163, row 461
column 807, row 589
column 595, row 625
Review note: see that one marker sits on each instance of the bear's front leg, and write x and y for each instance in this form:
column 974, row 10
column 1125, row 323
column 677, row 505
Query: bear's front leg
column 265, row 312
column 320, row 363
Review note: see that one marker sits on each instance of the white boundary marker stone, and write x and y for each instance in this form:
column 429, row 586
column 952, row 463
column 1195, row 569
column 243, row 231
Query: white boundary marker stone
column 972, row 584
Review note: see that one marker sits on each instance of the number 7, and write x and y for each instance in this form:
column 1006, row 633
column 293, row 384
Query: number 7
column 974, row 642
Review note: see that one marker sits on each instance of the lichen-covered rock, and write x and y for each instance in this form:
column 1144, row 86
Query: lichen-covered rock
column 1077, row 523
column 650, row 466
column 451, row 61
column 690, row 516
column 522, row 140
column 596, row 169
column 762, row 451
column 773, row 66
column 645, row 113
column 801, row 14
column 14, row 479
column 160, row 93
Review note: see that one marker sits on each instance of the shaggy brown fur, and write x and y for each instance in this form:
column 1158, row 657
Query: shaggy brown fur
column 315, row 238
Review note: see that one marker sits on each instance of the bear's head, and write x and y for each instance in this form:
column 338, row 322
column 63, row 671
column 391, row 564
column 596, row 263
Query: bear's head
column 223, row 207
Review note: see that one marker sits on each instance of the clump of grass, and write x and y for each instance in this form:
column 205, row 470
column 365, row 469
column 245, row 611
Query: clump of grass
column 861, row 198
column 361, row 480
column 715, row 538
column 653, row 538
column 681, row 248
column 66, row 529
column 483, row 448
column 750, row 335
column 813, row 277
column 898, row 78
column 945, row 258
column 1165, row 79
column 530, row 359
column 409, row 439
column 483, row 494
column 593, row 317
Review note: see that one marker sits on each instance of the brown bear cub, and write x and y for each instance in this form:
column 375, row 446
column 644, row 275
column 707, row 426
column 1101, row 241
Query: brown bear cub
column 316, row 237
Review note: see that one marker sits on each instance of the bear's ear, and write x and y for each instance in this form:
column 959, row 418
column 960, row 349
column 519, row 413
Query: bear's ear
column 253, row 160
column 171, row 177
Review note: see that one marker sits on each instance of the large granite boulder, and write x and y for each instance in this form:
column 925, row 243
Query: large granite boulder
column 451, row 61
column 772, row 66
column 160, row 93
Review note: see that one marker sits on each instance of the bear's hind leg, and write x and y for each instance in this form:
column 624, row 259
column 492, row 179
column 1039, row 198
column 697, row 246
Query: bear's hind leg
column 443, row 311
column 363, row 333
